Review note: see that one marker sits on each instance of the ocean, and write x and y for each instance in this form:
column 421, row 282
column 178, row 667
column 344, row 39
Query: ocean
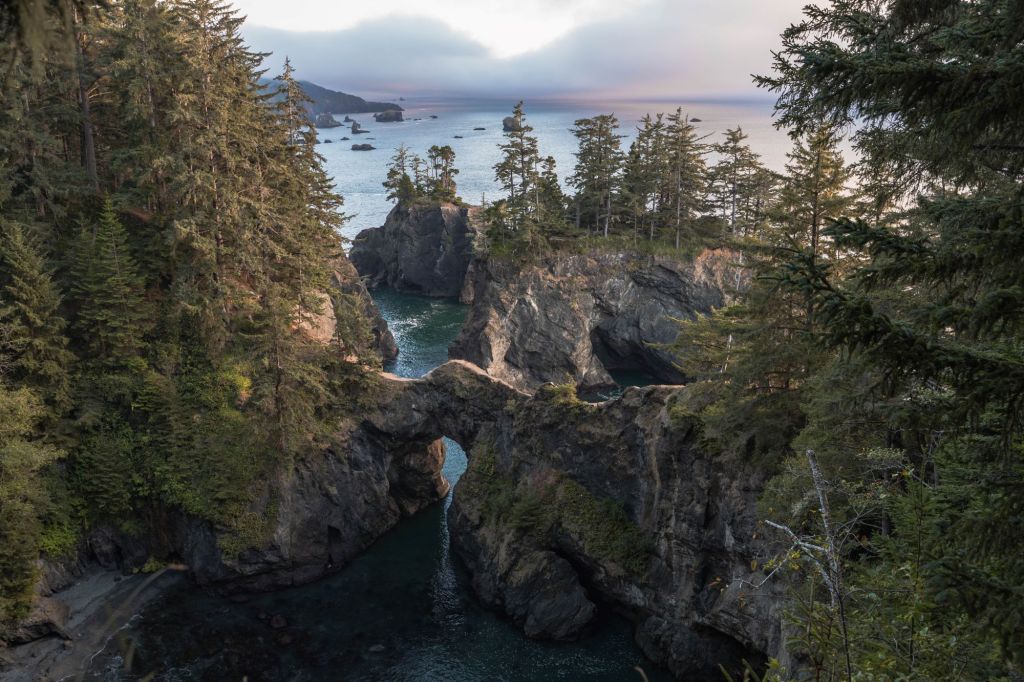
column 358, row 176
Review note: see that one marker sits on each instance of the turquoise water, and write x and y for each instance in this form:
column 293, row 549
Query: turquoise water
column 401, row 612
column 358, row 175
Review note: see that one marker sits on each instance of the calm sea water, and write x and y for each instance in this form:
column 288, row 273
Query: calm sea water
column 358, row 175
column 401, row 612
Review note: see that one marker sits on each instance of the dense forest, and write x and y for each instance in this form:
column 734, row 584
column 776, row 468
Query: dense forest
column 167, row 233
column 166, row 238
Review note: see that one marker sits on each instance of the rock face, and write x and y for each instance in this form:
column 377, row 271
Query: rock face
column 363, row 147
column 578, row 316
column 346, row 281
column 568, row 505
column 388, row 117
column 422, row 248
column 48, row 617
column 510, row 125
column 326, row 121
column 566, row 508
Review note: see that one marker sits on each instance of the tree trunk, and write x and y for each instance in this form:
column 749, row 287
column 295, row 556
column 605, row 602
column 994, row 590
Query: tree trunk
column 85, row 113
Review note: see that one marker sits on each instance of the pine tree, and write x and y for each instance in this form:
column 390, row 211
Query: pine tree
column 33, row 347
column 934, row 306
column 399, row 182
column 599, row 161
column 552, row 201
column 23, row 498
column 111, row 313
column 441, row 161
column 217, row 120
column 518, row 175
column 644, row 175
column 815, row 191
column 687, row 171
column 734, row 181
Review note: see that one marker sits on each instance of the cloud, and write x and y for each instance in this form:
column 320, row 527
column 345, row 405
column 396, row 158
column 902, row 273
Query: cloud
column 664, row 48
column 505, row 27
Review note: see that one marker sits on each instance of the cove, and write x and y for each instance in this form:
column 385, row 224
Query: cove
column 401, row 611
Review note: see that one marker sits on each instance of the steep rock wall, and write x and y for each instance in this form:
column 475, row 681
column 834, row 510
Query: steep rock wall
column 575, row 317
column 421, row 248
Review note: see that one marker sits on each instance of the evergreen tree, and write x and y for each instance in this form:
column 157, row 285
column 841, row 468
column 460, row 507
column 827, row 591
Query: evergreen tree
column 399, row 182
column 734, row 180
column 687, row 172
column 552, row 201
column 517, row 173
column 441, row 161
column 599, row 161
column 23, row 498
column 33, row 347
column 933, row 307
column 644, row 175
column 111, row 313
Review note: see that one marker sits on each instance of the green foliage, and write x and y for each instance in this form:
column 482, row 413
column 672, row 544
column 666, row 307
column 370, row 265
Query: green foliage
column 33, row 347
column 411, row 178
column 191, row 292
column 107, row 290
column 604, row 527
column 23, row 497
column 547, row 509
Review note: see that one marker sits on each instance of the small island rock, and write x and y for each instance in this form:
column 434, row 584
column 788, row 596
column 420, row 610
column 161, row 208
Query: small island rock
column 325, row 121
column 391, row 116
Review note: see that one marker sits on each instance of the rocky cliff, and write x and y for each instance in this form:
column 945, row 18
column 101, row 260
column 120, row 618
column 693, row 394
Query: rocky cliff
column 346, row 282
column 567, row 508
column 570, row 507
column 575, row 317
column 421, row 248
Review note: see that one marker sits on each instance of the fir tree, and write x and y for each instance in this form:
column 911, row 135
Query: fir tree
column 687, row 172
column 517, row 173
column 934, row 307
column 441, row 161
column 733, row 182
column 599, row 161
column 399, row 182
column 111, row 313
column 33, row 347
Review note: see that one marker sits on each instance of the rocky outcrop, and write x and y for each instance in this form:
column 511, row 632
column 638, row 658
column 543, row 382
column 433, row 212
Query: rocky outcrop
column 48, row 617
column 326, row 121
column 567, row 508
column 347, row 291
column 570, row 507
column 388, row 117
column 575, row 317
column 510, row 124
column 363, row 147
column 422, row 248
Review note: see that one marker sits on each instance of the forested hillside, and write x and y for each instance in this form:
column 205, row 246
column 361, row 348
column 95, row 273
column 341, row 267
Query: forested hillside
column 325, row 101
column 167, row 234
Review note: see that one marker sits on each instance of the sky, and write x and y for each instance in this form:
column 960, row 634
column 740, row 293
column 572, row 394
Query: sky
column 630, row 49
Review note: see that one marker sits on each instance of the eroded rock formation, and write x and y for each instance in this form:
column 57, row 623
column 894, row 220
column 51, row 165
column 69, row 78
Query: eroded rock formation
column 567, row 508
column 422, row 248
column 575, row 317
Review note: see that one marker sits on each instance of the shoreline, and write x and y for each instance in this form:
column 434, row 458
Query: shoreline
column 101, row 603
